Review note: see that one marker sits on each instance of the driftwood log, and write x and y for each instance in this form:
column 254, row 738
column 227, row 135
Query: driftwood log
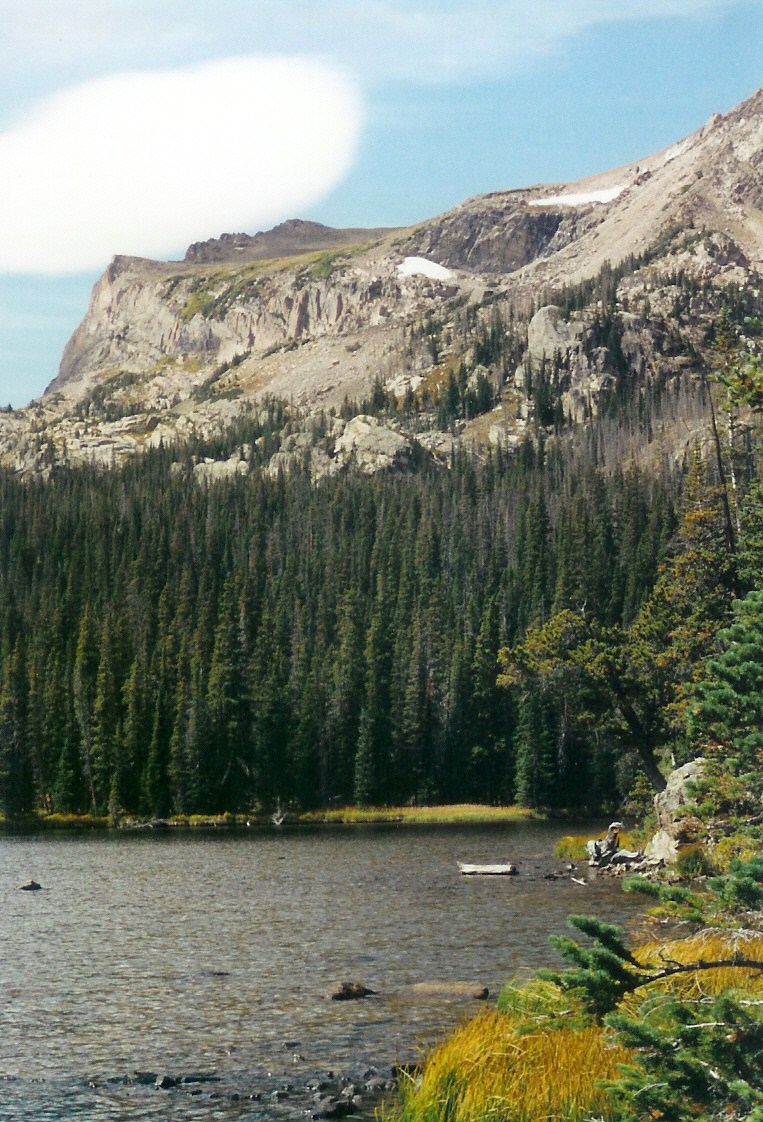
column 505, row 869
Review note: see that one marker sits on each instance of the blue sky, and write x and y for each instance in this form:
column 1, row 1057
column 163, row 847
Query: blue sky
column 131, row 126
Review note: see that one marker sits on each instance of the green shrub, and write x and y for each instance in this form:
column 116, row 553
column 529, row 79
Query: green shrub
column 694, row 861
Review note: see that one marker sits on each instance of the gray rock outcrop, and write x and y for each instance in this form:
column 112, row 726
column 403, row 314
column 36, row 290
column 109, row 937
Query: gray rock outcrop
column 372, row 446
column 548, row 334
column 670, row 806
column 285, row 240
column 495, row 233
column 586, row 371
column 212, row 471
column 662, row 847
column 363, row 444
column 671, row 803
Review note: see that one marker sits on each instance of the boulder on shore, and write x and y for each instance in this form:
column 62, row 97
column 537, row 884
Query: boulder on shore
column 670, row 804
column 30, row 886
column 674, row 826
column 663, row 847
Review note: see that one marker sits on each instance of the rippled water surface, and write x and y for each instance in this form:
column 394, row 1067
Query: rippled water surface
column 180, row 953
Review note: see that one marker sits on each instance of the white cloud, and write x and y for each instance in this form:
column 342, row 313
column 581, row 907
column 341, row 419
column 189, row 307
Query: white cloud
column 145, row 162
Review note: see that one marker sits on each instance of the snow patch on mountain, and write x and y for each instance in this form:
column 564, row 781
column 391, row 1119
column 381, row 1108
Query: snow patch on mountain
column 605, row 196
column 421, row 266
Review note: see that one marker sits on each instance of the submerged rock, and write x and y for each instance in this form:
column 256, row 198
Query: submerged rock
column 322, row 1094
column 460, row 991
column 351, row 991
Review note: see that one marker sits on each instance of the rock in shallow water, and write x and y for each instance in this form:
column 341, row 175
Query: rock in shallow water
column 351, row 991
column 463, row 991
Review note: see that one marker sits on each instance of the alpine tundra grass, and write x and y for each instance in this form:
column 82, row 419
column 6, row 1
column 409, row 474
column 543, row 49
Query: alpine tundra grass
column 494, row 1068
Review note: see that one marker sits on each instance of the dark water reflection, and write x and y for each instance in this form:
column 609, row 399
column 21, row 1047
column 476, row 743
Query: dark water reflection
column 188, row 953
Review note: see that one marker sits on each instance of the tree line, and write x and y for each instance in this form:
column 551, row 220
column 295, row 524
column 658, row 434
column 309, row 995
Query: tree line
column 168, row 647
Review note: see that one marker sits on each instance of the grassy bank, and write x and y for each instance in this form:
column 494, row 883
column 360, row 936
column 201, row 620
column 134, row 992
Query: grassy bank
column 456, row 814
column 409, row 815
column 33, row 822
column 527, row 1064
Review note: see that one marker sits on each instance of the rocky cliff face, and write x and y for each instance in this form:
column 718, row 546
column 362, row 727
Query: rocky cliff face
column 496, row 234
column 317, row 315
column 149, row 320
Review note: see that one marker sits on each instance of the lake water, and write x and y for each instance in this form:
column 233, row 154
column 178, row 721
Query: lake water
column 180, row 954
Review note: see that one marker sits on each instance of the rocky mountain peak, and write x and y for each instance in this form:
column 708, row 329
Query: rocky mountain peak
column 288, row 239
column 322, row 316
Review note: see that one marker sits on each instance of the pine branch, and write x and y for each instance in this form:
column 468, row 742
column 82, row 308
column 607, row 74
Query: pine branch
column 701, row 964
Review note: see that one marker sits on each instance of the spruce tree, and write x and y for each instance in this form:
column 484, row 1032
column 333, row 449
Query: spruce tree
column 365, row 783
column 84, row 687
column 17, row 795
column 725, row 714
column 535, row 751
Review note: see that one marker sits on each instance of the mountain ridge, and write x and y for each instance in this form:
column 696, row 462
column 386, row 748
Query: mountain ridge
column 319, row 315
column 289, row 238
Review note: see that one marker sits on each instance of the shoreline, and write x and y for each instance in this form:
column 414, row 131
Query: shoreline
column 457, row 814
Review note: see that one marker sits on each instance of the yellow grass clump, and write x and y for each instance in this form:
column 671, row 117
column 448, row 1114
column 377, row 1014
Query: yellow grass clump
column 60, row 821
column 708, row 945
column 487, row 1069
column 462, row 812
column 207, row 821
column 538, row 1058
column 737, row 846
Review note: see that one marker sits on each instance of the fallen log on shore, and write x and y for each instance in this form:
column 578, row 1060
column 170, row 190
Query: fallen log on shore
column 501, row 870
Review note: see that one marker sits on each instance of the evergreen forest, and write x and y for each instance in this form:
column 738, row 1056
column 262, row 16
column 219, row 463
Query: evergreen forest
column 515, row 627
